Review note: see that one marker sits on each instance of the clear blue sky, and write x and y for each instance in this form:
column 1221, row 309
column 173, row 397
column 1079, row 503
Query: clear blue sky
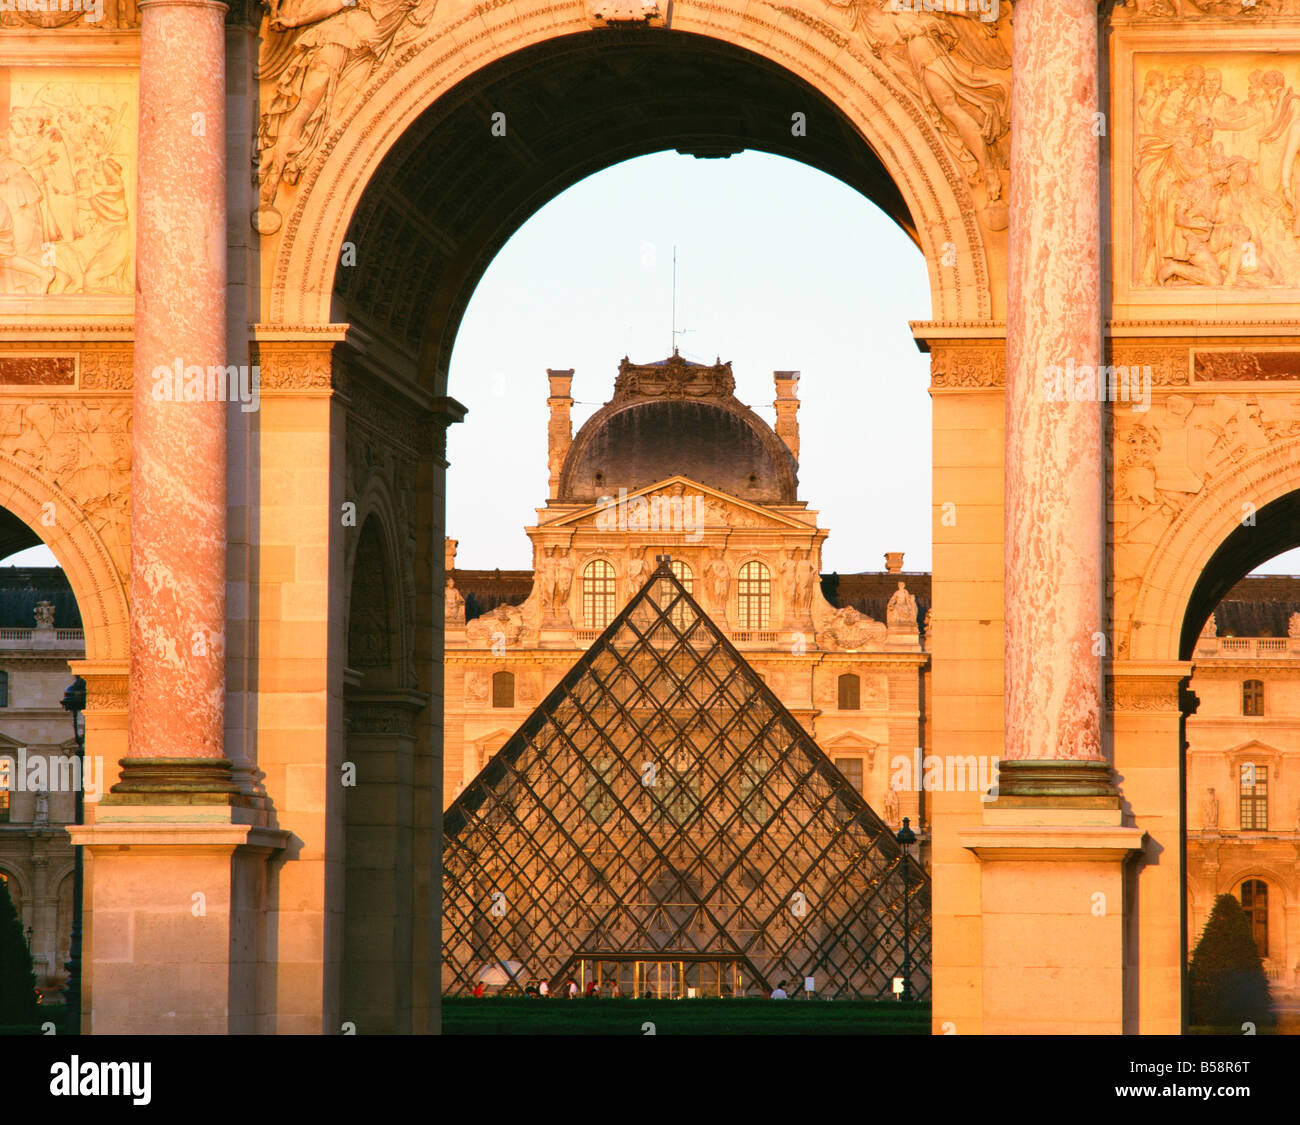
column 779, row 266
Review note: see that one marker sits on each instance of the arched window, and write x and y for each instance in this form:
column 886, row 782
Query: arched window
column 1254, row 797
column 598, row 594
column 753, row 596
column 4, row 689
column 503, row 689
column 684, row 574
column 1252, row 697
column 1254, row 901
column 850, row 692
column 680, row 615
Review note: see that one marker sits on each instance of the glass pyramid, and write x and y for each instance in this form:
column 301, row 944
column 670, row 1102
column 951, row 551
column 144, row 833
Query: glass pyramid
column 662, row 825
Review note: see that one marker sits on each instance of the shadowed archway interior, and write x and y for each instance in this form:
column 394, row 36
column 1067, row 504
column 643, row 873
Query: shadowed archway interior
column 489, row 154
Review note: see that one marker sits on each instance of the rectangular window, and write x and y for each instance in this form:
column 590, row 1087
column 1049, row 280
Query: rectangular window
column 852, row 769
column 1252, row 697
column 1254, row 797
column 4, row 689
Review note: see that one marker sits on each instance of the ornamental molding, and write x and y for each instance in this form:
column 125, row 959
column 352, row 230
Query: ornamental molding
column 961, row 366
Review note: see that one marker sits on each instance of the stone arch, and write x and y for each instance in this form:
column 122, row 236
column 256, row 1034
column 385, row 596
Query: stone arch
column 935, row 202
column 96, row 584
column 1207, row 549
column 18, row 882
column 376, row 550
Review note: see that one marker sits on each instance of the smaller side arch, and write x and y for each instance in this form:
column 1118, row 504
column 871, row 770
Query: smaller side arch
column 99, row 588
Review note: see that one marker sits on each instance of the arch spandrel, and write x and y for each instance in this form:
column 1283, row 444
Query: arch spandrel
column 947, row 197
column 1181, row 555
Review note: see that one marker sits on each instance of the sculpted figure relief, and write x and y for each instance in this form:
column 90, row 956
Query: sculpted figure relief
column 1293, row 625
column 849, row 629
column 44, row 612
column 957, row 66
column 1216, row 177
column 318, row 53
column 501, row 626
column 64, row 209
column 1210, row 810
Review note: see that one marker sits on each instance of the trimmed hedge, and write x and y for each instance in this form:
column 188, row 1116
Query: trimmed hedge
column 18, row 1006
column 1228, row 985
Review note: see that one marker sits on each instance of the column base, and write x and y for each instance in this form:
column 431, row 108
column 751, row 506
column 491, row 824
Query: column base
column 181, row 781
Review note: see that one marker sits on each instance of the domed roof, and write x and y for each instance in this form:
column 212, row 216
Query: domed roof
column 675, row 418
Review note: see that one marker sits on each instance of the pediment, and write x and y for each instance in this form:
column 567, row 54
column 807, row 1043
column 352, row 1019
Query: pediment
column 677, row 503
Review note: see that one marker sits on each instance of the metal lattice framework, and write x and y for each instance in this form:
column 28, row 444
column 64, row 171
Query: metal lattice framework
column 662, row 806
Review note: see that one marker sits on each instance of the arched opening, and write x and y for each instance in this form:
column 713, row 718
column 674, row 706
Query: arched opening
column 1241, row 631
column 41, row 635
column 378, row 797
column 449, row 193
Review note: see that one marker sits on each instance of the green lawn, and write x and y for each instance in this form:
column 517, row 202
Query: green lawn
column 513, row 1016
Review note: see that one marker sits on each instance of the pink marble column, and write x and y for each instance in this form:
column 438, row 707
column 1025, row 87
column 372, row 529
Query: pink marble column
column 1054, row 466
column 178, row 483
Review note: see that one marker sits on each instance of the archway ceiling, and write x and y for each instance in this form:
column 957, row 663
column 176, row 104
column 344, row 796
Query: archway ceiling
column 450, row 194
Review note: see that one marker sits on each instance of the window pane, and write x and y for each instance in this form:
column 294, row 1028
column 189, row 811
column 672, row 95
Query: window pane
column 1254, row 903
column 1254, row 796
column 851, row 768
column 503, row 689
column 753, row 596
column 598, row 594
column 1252, row 697
column 850, row 692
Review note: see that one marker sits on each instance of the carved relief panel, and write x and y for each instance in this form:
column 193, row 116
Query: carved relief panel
column 1206, row 147
column 67, row 183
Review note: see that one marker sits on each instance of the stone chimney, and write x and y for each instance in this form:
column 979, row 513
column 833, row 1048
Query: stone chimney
column 787, row 409
column 559, row 431
column 893, row 562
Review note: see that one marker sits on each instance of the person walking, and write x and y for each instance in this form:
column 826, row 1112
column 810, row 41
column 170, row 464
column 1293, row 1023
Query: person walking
column 779, row 993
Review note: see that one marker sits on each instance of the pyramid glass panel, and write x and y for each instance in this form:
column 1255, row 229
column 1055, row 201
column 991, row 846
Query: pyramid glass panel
column 661, row 823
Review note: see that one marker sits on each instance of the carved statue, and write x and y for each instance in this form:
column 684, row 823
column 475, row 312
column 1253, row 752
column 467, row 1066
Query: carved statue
column 563, row 578
column 719, row 579
column 547, row 572
column 1210, row 810
column 42, row 814
column 849, row 629
column 1293, row 625
column 901, row 610
column 891, row 805
column 44, row 615
column 503, row 625
column 454, row 604
column 311, row 50
column 636, row 568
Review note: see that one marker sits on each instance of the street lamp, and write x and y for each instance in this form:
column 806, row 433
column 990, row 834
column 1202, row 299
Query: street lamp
column 74, row 702
column 906, row 838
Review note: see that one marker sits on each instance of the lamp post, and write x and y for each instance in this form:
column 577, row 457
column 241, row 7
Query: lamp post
column 906, row 838
column 74, row 702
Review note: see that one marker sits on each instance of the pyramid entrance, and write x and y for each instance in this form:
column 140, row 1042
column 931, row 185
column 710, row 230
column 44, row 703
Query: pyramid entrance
column 661, row 821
